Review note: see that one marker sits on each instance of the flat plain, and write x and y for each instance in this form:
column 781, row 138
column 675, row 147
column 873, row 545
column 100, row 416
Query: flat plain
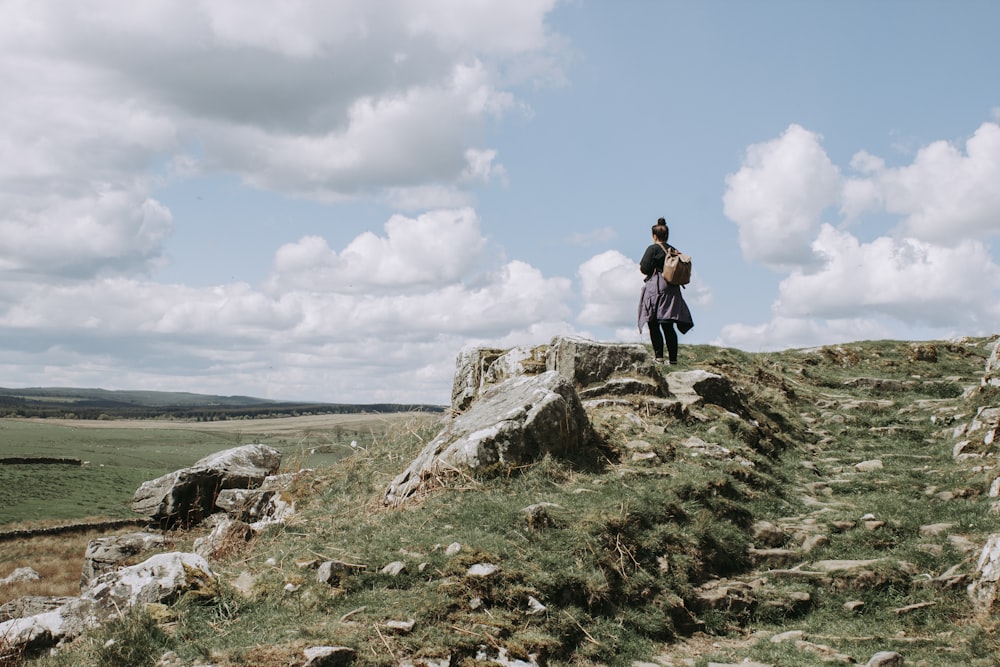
column 118, row 455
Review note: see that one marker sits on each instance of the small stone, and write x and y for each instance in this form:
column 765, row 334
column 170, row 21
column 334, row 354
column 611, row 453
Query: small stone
column 453, row 549
column 791, row 635
column 393, row 569
column 854, row 606
column 869, row 466
column 21, row 574
column 244, row 584
column 534, row 606
column 475, row 603
column 814, row 542
column 401, row 627
column 328, row 656
column 482, row 570
column 934, row 529
column 885, row 659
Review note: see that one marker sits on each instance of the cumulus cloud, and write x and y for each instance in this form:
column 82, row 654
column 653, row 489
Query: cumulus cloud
column 777, row 196
column 328, row 101
column 105, row 104
column 380, row 319
column 610, row 284
column 436, row 247
column 946, row 194
column 910, row 280
column 932, row 270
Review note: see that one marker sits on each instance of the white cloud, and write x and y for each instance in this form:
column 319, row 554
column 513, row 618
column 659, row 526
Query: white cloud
column 778, row 195
column 308, row 98
column 947, row 195
column 610, row 284
column 379, row 320
column 436, row 248
column 908, row 279
column 792, row 332
column 932, row 271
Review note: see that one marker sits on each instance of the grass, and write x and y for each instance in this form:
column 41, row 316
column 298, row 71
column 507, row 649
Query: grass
column 621, row 551
column 121, row 455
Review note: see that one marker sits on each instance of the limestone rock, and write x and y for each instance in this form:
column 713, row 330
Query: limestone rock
column 35, row 633
column 983, row 589
column 104, row 554
column 991, row 376
column 186, row 496
column 30, row 605
column 702, row 386
column 227, row 535
column 478, row 367
column 332, row 572
column 885, row 659
column 513, row 423
column 19, row 575
column 161, row 578
column 586, row 363
column 328, row 656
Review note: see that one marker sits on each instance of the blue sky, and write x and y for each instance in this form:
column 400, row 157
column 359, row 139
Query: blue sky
column 328, row 200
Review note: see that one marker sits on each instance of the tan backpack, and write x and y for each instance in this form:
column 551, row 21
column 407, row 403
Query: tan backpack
column 676, row 267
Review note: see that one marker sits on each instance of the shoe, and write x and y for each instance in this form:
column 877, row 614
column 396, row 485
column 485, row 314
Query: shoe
column 672, row 362
column 659, row 360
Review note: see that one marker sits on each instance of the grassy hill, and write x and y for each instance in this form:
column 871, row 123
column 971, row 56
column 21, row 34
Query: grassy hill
column 705, row 536
column 84, row 403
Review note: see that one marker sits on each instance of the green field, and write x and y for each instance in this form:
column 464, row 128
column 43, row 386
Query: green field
column 120, row 455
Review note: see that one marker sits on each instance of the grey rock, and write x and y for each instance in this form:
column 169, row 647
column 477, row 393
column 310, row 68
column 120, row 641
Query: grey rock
column 105, row 554
column 160, row 578
column 328, row 656
column 394, row 569
column 586, row 363
column 885, row 659
column 227, row 536
column 702, row 386
column 19, row 575
column 513, row 423
column 983, row 589
column 187, row 496
column 30, row 605
column 332, row 572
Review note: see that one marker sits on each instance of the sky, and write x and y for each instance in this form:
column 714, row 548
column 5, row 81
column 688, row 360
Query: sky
column 327, row 200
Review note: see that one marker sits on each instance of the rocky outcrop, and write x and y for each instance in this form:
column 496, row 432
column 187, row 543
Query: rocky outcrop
column 594, row 368
column 160, row 579
column 187, row 496
column 515, row 422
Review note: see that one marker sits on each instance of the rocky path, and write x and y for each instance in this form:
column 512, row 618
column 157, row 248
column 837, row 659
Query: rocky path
column 894, row 493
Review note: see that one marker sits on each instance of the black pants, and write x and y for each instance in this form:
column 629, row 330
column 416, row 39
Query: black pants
column 657, row 339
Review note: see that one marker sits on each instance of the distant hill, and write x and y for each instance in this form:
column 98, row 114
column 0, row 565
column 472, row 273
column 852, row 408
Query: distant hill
column 86, row 403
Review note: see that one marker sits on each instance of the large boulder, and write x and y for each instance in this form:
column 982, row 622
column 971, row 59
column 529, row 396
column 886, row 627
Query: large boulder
column 33, row 634
column 161, row 578
column 595, row 368
column 105, row 554
column 586, row 363
column 512, row 423
column 188, row 495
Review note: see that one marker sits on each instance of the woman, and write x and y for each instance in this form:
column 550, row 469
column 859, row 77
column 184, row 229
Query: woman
column 661, row 305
